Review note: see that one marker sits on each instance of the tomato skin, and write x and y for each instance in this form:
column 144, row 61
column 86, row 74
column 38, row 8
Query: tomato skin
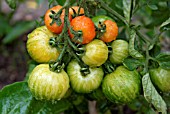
column 47, row 85
column 111, row 31
column 121, row 86
column 100, row 18
column 96, row 53
column 54, row 27
column 86, row 25
column 160, row 78
column 84, row 84
column 76, row 8
column 38, row 45
column 119, row 51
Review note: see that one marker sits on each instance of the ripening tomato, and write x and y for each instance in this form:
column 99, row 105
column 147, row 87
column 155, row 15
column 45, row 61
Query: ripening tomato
column 96, row 53
column 160, row 78
column 54, row 27
column 111, row 31
column 47, row 85
column 119, row 51
column 87, row 83
column 122, row 85
column 76, row 9
column 38, row 45
column 86, row 25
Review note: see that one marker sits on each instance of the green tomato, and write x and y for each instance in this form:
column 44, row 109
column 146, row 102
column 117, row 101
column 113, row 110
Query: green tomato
column 122, row 85
column 38, row 45
column 96, row 53
column 160, row 78
column 100, row 18
column 119, row 51
column 48, row 85
column 87, row 83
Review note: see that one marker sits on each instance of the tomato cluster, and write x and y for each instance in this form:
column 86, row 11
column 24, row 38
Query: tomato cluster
column 90, row 38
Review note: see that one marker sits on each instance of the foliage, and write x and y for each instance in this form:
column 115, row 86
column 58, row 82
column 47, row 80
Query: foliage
column 142, row 24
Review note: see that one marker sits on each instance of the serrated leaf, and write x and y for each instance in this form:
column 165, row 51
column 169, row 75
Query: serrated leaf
column 127, row 9
column 18, row 30
column 17, row 99
column 132, row 63
column 166, row 23
column 152, row 96
column 164, row 60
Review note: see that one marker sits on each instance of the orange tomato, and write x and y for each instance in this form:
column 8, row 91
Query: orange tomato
column 111, row 31
column 86, row 25
column 76, row 8
column 54, row 27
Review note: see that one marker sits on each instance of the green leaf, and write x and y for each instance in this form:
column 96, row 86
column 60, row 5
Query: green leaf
column 127, row 7
column 152, row 96
column 12, row 3
column 152, row 6
column 165, row 25
column 164, row 60
column 132, row 63
column 18, row 30
column 132, row 51
column 17, row 99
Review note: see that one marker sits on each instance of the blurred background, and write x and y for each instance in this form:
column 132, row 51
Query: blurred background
column 14, row 27
column 16, row 24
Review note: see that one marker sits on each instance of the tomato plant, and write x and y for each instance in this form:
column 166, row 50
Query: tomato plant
column 95, row 50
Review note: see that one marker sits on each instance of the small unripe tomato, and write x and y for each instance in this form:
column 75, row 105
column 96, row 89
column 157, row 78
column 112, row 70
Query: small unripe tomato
column 47, row 85
column 119, row 51
column 38, row 45
column 100, row 19
column 86, row 26
column 96, row 53
column 87, row 83
column 121, row 86
column 160, row 78
column 48, row 20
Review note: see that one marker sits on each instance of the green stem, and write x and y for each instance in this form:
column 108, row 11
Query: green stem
column 106, row 7
column 147, row 59
column 143, row 37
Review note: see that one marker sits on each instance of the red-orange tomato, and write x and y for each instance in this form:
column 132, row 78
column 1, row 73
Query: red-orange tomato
column 76, row 8
column 111, row 31
column 54, row 27
column 86, row 25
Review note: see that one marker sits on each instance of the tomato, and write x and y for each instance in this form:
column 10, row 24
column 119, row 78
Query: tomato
column 119, row 51
column 86, row 25
column 38, row 45
column 87, row 83
column 96, row 53
column 76, row 8
column 54, row 27
column 48, row 85
column 100, row 18
column 160, row 78
column 111, row 30
column 122, row 85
